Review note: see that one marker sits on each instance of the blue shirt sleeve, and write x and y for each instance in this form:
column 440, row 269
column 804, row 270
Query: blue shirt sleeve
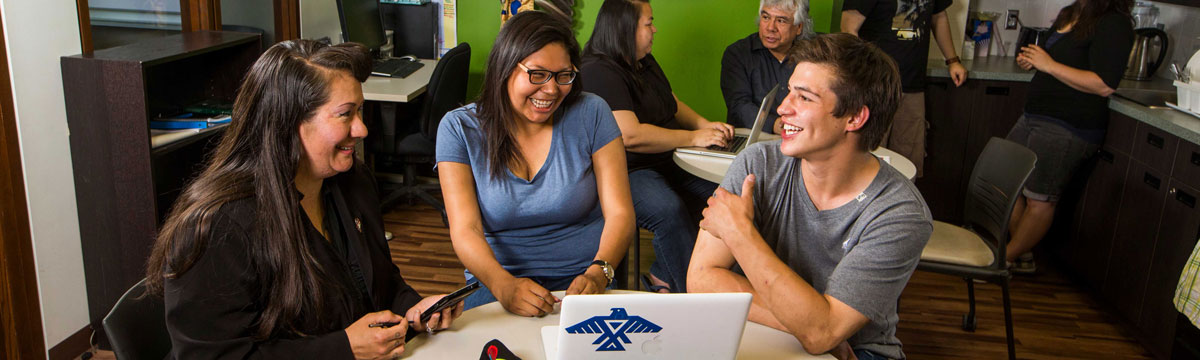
column 451, row 137
column 605, row 125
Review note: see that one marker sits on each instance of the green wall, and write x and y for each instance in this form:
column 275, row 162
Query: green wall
column 691, row 37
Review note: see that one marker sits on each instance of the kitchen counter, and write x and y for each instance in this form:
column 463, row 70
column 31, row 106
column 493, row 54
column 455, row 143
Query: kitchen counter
column 1004, row 68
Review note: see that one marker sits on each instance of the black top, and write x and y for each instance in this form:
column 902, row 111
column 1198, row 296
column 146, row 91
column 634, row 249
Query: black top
column 902, row 29
column 212, row 310
column 748, row 72
column 1105, row 53
column 646, row 92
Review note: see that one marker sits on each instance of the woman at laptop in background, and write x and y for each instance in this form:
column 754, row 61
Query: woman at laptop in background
column 618, row 66
column 533, row 174
column 276, row 250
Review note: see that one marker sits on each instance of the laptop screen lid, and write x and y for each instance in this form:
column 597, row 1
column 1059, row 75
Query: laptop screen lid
column 764, row 110
column 649, row 326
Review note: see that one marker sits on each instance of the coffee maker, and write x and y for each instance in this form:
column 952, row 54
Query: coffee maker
column 1142, row 62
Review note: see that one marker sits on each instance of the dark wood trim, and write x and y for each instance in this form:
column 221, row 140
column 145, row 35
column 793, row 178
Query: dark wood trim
column 287, row 20
column 196, row 15
column 73, row 345
column 21, row 328
column 85, row 26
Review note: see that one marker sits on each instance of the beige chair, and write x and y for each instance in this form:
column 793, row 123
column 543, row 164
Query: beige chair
column 975, row 250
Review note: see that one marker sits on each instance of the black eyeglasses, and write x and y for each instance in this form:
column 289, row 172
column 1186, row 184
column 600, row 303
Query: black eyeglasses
column 538, row 77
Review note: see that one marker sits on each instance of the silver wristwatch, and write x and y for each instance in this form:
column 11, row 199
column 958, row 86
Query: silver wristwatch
column 609, row 273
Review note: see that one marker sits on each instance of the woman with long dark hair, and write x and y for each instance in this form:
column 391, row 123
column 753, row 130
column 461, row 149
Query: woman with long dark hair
column 533, row 174
column 277, row 249
column 1066, row 112
column 618, row 66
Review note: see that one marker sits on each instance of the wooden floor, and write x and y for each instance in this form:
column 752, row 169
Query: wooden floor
column 1054, row 318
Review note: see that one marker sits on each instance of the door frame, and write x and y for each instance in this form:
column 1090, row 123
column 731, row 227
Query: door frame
column 21, row 317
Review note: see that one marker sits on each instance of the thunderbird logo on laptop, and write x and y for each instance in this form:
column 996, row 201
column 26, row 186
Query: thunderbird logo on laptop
column 613, row 329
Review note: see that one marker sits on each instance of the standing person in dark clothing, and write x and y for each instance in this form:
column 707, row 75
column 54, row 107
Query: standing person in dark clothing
column 277, row 249
column 618, row 66
column 1066, row 112
column 902, row 29
column 755, row 64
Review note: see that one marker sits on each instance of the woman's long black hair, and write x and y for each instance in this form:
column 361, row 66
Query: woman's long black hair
column 523, row 35
column 257, row 158
column 615, row 36
column 1085, row 14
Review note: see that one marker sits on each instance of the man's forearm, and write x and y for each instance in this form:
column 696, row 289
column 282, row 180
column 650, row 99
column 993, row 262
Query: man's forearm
column 941, row 33
column 714, row 279
column 803, row 312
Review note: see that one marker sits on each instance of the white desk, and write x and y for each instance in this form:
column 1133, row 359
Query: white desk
column 386, row 89
column 523, row 335
column 713, row 168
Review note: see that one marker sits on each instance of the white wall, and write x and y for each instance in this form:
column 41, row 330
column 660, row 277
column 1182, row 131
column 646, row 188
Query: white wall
column 254, row 13
column 1034, row 13
column 37, row 33
column 1183, row 31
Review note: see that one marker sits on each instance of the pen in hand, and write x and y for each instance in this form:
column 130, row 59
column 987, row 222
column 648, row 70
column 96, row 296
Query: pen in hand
column 386, row 325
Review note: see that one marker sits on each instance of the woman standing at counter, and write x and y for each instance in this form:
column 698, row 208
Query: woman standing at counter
column 1066, row 112
column 617, row 65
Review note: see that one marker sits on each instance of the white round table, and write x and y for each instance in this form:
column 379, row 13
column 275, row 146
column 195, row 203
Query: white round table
column 523, row 335
column 713, row 168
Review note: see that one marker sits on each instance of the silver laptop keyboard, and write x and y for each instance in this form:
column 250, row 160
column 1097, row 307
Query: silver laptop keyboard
column 734, row 144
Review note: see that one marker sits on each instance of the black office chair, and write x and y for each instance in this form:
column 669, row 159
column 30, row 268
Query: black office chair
column 137, row 326
column 447, row 90
column 976, row 249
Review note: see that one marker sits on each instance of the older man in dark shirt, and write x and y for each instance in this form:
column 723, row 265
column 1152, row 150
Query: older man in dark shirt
column 753, row 65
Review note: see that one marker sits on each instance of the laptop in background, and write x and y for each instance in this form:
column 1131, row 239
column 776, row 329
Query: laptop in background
column 648, row 326
column 739, row 142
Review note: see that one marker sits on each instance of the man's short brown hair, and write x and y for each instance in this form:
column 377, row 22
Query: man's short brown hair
column 863, row 76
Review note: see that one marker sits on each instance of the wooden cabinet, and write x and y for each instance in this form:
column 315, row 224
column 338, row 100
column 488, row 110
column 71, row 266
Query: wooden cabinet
column 961, row 120
column 1089, row 249
column 1177, row 234
column 1134, row 238
column 123, row 186
column 1138, row 223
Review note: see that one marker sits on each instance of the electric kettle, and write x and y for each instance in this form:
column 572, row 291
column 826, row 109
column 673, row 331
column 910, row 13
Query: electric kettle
column 1142, row 64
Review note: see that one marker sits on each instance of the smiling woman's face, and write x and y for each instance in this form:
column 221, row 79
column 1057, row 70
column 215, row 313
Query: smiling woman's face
column 329, row 137
column 536, row 102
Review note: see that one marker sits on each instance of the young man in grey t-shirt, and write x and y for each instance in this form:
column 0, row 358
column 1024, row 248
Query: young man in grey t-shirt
column 824, row 234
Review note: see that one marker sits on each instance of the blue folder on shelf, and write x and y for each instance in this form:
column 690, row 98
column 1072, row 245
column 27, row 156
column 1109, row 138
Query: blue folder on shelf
column 187, row 121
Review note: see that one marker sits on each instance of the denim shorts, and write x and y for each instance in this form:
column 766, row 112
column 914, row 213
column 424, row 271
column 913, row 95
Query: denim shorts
column 1060, row 153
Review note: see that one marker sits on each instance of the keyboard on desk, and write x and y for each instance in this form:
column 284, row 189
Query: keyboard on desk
column 395, row 67
column 734, row 145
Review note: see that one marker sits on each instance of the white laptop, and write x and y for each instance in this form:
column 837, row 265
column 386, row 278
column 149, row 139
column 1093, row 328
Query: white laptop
column 740, row 142
column 648, row 326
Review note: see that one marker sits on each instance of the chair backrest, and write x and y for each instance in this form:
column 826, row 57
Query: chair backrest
column 447, row 88
column 137, row 326
column 999, row 175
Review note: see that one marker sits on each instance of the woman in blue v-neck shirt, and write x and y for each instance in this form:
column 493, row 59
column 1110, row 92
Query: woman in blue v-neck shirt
column 533, row 174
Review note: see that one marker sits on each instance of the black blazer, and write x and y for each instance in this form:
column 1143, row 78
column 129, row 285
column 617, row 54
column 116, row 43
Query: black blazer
column 212, row 309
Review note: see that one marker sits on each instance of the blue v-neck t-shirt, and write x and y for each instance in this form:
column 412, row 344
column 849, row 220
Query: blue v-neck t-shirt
column 550, row 225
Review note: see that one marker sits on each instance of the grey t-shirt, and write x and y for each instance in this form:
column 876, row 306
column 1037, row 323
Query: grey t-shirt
column 861, row 253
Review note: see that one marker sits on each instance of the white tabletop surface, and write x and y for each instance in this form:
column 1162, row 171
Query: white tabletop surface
column 522, row 335
column 713, row 168
column 380, row 88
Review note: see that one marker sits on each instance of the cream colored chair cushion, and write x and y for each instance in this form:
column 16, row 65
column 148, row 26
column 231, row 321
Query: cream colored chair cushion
column 955, row 245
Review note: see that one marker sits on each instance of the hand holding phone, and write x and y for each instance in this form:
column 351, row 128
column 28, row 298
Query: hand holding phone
column 449, row 301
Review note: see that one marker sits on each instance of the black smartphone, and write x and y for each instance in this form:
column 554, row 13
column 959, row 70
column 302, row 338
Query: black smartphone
column 449, row 301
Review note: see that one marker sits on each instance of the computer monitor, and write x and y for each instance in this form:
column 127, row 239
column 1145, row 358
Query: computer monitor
column 362, row 23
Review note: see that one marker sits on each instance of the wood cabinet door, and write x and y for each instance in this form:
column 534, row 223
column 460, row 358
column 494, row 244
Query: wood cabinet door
column 1177, row 234
column 1088, row 251
column 1133, row 240
column 948, row 110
